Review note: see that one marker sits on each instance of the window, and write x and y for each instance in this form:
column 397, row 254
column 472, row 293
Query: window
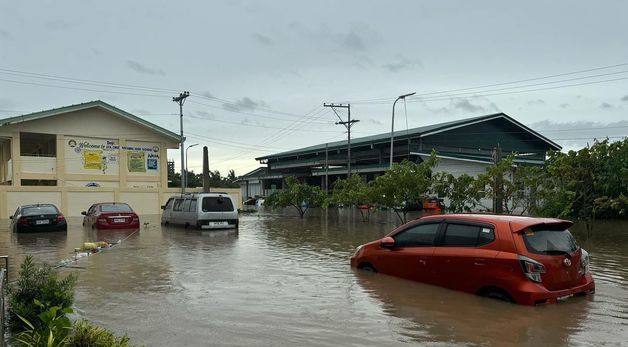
column 420, row 235
column 464, row 235
column 192, row 206
column 178, row 205
column 217, row 204
column 38, row 145
column 169, row 204
column 553, row 242
column 38, row 182
column 41, row 209
column 186, row 205
column 116, row 208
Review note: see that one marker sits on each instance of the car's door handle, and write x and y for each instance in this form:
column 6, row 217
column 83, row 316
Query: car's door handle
column 423, row 260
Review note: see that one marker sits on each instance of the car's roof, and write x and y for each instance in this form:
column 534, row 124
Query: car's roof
column 517, row 223
column 111, row 203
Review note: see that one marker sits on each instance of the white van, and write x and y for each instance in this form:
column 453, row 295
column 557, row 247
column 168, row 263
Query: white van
column 201, row 210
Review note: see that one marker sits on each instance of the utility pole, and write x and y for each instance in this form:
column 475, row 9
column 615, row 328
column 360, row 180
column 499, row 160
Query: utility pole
column 180, row 100
column 347, row 125
column 498, row 200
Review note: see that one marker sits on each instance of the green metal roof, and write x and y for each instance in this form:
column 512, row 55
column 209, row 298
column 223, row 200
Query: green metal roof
column 423, row 131
column 87, row 105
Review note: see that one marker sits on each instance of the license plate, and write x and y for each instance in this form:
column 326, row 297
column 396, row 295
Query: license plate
column 119, row 220
column 563, row 298
column 217, row 224
column 42, row 221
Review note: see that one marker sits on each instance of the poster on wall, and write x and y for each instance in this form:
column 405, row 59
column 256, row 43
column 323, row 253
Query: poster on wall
column 91, row 155
column 136, row 161
column 142, row 157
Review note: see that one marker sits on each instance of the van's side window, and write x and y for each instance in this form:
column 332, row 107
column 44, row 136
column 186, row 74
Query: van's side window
column 462, row 235
column 417, row 236
column 192, row 206
column 178, row 205
column 186, row 205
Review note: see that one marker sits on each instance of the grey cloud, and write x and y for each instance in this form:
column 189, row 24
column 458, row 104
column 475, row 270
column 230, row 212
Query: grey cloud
column 375, row 121
column 625, row 98
column 466, row 105
column 208, row 95
column 243, row 104
column 144, row 69
column 536, row 102
column 207, row 115
column 5, row 34
column 564, row 105
column 358, row 39
column 575, row 135
column 247, row 121
column 402, row 63
column 57, row 24
column 353, row 41
column 606, row 106
column 263, row 39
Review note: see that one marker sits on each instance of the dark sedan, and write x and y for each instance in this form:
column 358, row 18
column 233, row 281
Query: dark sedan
column 36, row 218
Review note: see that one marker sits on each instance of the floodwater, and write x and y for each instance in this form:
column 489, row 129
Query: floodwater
column 283, row 281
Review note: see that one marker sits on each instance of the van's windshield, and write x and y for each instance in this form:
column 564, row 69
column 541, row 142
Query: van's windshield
column 552, row 242
column 217, row 204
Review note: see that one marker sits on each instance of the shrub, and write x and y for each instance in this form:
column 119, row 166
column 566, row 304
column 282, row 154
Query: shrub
column 37, row 290
column 89, row 335
column 55, row 327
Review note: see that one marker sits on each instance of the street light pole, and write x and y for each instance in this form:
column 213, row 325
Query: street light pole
column 186, row 163
column 392, row 130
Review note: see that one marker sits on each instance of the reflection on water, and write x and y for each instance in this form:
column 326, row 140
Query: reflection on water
column 283, row 280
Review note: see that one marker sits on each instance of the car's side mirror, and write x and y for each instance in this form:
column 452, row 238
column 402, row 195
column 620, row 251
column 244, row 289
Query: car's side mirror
column 10, row 217
column 387, row 242
column 163, row 207
column 84, row 213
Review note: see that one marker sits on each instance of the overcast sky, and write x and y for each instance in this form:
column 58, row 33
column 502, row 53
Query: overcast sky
column 260, row 71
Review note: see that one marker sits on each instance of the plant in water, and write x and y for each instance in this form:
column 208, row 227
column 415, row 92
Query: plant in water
column 37, row 290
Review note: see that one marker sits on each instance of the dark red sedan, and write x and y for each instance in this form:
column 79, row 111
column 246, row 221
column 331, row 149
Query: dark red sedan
column 110, row 215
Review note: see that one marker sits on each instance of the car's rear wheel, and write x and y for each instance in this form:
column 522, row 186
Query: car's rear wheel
column 496, row 293
column 367, row 267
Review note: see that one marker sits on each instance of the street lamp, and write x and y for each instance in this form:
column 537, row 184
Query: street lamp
column 186, row 163
column 392, row 130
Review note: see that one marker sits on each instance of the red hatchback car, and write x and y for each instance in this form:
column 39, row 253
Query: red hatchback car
column 110, row 215
column 525, row 260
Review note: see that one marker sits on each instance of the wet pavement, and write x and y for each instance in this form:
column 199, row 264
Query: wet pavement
column 283, row 281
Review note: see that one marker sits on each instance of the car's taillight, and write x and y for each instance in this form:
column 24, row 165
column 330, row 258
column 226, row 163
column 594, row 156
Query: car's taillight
column 22, row 221
column 136, row 218
column 584, row 262
column 60, row 218
column 531, row 268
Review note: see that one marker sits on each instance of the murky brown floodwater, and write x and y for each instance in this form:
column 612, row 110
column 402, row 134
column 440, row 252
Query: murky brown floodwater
column 283, row 281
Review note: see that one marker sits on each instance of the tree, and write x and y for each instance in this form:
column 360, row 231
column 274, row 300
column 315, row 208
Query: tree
column 462, row 192
column 353, row 191
column 301, row 196
column 231, row 176
column 404, row 184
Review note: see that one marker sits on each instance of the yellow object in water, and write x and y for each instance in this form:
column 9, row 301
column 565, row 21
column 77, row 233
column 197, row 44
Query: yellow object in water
column 88, row 246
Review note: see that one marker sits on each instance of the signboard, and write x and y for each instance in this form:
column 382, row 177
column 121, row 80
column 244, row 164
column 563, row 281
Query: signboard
column 142, row 157
column 85, row 155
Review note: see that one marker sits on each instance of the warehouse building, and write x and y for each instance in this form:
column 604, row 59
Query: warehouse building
column 463, row 146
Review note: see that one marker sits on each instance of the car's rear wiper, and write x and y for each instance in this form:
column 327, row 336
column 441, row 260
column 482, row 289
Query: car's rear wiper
column 557, row 252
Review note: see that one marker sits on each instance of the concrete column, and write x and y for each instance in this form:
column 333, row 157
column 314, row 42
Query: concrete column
column 163, row 168
column 61, row 161
column 16, row 160
column 123, row 162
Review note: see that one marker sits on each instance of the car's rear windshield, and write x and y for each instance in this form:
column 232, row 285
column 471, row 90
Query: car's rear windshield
column 217, row 204
column 116, row 208
column 35, row 210
column 547, row 241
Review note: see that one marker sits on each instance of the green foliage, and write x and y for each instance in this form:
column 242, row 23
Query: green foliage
column 37, row 290
column 52, row 328
column 589, row 183
column 352, row 191
column 404, row 184
column 89, row 335
column 462, row 192
column 301, row 196
column 196, row 180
